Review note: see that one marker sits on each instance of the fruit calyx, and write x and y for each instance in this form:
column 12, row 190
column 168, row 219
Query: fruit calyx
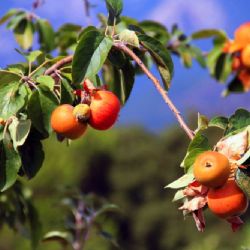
column 82, row 112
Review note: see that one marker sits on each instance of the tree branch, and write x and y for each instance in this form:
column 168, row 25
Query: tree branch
column 58, row 65
column 121, row 46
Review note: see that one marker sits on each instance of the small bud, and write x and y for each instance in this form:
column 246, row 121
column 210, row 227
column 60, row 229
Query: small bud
column 129, row 37
column 81, row 112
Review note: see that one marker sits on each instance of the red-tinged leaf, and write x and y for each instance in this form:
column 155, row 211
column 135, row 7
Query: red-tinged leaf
column 199, row 220
column 195, row 188
column 235, row 222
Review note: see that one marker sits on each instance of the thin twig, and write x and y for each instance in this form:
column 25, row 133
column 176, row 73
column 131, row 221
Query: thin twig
column 37, row 3
column 156, row 82
column 163, row 93
column 58, row 65
column 87, row 7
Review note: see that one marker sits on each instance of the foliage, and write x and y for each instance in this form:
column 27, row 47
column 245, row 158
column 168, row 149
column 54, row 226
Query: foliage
column 74, row 62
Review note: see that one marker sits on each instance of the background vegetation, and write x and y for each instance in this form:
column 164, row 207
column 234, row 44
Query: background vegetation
column 128, row 167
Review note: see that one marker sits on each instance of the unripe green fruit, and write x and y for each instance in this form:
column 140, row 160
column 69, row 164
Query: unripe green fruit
column 82, row 112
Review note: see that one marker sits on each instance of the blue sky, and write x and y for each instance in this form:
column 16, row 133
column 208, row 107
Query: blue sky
column 192, row 89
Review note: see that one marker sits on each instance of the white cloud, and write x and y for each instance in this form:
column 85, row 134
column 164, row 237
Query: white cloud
column 190, row 14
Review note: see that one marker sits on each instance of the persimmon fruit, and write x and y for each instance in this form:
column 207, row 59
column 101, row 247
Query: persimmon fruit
column 245, row 56
column 104, row 109
column 241, row 39
column 211, row 169
column 237, row 63
column 65, row 123
column 242, row 34
column 244, row 77
column 227, row 201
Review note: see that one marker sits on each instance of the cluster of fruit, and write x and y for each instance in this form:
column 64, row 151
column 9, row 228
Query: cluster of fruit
column 240, row 50
column 224, row 198
column 99, row 108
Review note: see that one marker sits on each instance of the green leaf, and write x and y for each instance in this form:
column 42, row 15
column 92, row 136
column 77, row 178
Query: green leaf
column 198, row 145
column 178, row 195
column 155, row 30
column 239, row 120
column 212, row 58
column 120, row 81
column 181, row 182
column 117, row 58
column 40, row 106
column 242, row 178
column 67, row 36
column 62, row 237
column 8, row 77
column 24, row 32
column 223, row 67
column 115, row 9
column 14, row 22
column 202, row 122
column 86, row 30
column 46, row 81
column 10, row 163
column 33, row 55
column 32, row 155
column 18, row 69
column 67, row 96
column 219, row 121
column 185, row 55
column 197, row 54
column 46, row 35
column 12, row 99
column 207, row 33
column 19, row 131
column 8, row 15
column 91, row 52
column 161, row 57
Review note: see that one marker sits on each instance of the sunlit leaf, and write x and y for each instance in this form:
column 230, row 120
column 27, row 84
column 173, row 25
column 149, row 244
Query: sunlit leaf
column 198, row 145
column 181, row 182
column 44, row 80
column 19, row 131
column 12, row 99
column 63, row 238
column 24, row 32
column 90, row 54
column 8, row 15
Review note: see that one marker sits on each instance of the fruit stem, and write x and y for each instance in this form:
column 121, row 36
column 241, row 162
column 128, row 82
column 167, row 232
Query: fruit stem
column 122, row 46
